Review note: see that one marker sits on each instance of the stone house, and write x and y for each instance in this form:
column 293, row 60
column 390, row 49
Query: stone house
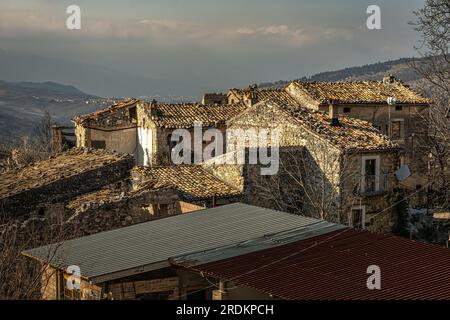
column 117, row 206
column 42, row 188
column 84, row 191
column 214, row 98
column 196, row 186
column 145, row 129
column 402, row 120
column 113, row 128
column 252, row 95
column 332, row 167
column 157, row 122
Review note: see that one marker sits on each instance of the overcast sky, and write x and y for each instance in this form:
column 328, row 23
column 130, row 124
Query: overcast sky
column 214, row 43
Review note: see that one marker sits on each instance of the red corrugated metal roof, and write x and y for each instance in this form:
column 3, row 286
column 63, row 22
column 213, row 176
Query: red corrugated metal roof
column 334, row 265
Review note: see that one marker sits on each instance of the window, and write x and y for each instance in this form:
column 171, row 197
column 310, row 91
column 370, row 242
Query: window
column 163, row 209
column 370, row 180
column 171, row 142
column 358, row 217
column 133, row 114
column 347, row 109
column 398, row 108
column 98, row 144
column 41, row 212
column 397, row 129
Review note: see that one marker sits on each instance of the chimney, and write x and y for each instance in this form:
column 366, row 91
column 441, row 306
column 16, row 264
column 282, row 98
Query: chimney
column 251, row 98
column 57, row 143
column 333, row 112
column 389, row 79
column 154, row 109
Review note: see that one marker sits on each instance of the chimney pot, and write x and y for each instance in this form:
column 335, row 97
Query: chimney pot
column 388, row 79
column 153, row 109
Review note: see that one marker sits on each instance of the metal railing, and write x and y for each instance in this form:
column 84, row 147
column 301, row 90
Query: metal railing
column 374, row 184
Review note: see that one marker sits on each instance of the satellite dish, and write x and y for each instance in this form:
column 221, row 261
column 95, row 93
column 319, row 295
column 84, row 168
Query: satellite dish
column 403, row 173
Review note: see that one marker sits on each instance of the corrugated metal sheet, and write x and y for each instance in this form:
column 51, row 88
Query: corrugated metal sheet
column 157, row 241
column 334, row 266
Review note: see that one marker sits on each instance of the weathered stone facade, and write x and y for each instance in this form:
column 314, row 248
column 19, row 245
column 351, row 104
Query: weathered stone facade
column 145, row 129
column 321, row 166
column 403, row 121
column 112, row 208
column 194, row 184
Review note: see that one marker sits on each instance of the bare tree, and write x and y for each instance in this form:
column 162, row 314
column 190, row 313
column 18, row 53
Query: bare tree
column 311, row 181
column 433, row 24
column 30, row 149
column 22, row 277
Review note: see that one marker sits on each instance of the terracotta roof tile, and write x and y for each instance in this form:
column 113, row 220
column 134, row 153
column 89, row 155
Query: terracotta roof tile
column 60, row 166
column 184, row 115
column 360, row 92
column 111, row 194
column 350, row 134
column 193, row 181
column 103, row 113
column 264, row 94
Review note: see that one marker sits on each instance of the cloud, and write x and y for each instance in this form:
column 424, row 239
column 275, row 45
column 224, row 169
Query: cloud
column 296, row 37
column 165, row 32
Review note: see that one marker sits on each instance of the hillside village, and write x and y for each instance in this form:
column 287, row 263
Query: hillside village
column 353, row 168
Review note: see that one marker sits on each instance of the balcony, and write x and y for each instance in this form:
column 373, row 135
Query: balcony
column 372, row 185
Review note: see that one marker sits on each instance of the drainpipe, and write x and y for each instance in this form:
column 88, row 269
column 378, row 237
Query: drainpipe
column 391, row 101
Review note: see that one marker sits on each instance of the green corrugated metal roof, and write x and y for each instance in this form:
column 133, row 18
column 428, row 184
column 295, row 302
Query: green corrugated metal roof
column 156, row 241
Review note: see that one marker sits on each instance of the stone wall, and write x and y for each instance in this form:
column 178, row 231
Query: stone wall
column 53, row 287
column 315, row 178
column 380, row 214
column 121, row 211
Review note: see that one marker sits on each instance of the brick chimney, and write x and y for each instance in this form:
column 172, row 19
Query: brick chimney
column 154, row 109
column 389, row 79
column 251, row 98
column 333, row 112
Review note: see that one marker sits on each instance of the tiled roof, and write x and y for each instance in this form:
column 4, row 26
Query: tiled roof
column 183, row 115
column 350, row 134
column 360, row 92
column 60, row 166
column 193, row 181
column 264, row 94
column 100, row 114
column 112, row 194
column 334, row 266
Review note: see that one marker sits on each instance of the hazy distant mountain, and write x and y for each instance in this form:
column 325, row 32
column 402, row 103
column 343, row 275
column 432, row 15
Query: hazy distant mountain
column 98, row 80
column 22, row 105
column 400, row 68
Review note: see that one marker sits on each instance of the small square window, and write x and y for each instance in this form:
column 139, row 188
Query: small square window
column 347, row 109
column 357, row 218
column 398, row 108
